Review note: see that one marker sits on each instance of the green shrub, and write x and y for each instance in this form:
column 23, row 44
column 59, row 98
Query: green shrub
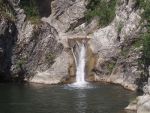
column 20, row 62
column 6, row 11
column 146, row 48
column 31, row 10
column 102, row 9
column 145, row 4
column 120, row 26
column 125, row 52
column 50, row 58
column 137, row 43
column 110, row 66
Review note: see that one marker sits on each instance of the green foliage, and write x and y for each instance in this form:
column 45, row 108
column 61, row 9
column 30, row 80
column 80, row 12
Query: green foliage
column 146, row 49
column 120, row 26
column 110, row 66
column 50, row 57
column 31, row 10
column 137, row 43
column 6, row 11
column 125, row 52
column 102, row 9
column 145, row 4
column 20, row 62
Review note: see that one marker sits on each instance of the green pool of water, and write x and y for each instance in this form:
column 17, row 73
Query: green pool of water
column 39, row 98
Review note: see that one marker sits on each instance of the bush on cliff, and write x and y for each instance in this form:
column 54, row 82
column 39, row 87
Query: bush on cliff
column 6, row 11
column 31, row 10
column 103, row 9
column 146, row 49
column 144, row 4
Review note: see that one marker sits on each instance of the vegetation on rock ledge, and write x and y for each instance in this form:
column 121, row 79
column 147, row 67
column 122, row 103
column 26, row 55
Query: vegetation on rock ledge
column 31, row 10
column 144, row 4
column 103, row 9
column 6, row 11
column 50, row 57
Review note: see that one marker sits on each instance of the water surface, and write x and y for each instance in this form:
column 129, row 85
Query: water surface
column 38, row 98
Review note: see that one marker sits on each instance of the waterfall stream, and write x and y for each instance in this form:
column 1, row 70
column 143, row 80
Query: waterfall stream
column 80, row 72
column 80, row 60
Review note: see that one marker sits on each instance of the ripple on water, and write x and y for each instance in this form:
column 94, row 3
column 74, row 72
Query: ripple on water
column 38, row 98
column 79, row 86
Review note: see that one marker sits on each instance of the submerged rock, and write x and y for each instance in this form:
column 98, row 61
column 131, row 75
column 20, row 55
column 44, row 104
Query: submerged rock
column 132, row 106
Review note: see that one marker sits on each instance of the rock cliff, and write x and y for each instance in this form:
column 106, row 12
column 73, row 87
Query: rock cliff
column 34, row 42
column 8, row 39
column 115, row 46
column 42, row 53
column 143, row 102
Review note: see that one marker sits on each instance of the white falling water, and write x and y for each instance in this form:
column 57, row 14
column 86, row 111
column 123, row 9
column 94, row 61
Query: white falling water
column 80, row 72
column 79, row 54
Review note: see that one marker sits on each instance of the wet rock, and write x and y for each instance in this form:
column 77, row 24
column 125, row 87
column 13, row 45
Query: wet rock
column 8, row 33
column 143, row 105
column 132, row 106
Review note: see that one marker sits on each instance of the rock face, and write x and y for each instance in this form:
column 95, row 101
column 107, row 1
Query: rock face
column 38, row 55
column 41, row 52
column 57, row 73
column 117, row 58
column 66, row 14
column 39, row 49
column 19, row 14
column 114, row 45
column 144, row 101
column 7, row 40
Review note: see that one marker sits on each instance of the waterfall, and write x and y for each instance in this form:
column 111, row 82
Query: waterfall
column 80, row 72
column 79, row 54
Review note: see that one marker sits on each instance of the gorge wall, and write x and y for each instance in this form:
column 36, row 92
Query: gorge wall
column 35, row 42
column 8, row 39
column 41, row 52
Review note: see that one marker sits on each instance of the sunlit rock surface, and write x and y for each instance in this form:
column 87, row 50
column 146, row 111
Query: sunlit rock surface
column 114, row 63
column 57, row 73
column 39, row 47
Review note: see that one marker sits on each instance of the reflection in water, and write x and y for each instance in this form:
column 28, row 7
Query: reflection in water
column 81, row 101
column 63, row 99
